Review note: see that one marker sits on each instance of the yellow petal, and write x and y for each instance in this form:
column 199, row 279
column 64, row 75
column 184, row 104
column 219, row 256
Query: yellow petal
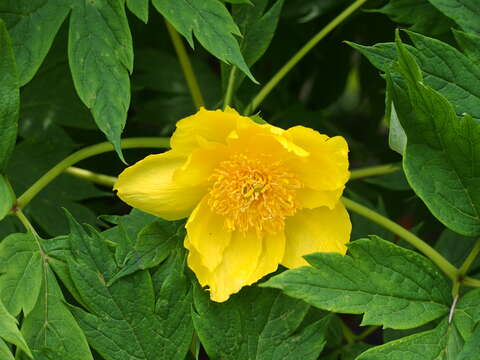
column 316, row 230
column 327, row 166
column 264, row 139
column 311, row 199
column 200, row 164
column 273, row 250
column 240, row 261
column 148, row 186
column 205, row 125
column 207, row 234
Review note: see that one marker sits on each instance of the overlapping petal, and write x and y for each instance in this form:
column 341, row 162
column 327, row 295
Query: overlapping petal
column 200, row 164
column 327, row 166
column 149, row 186
column 316, row 230
column 205, row 126
column 246, row 259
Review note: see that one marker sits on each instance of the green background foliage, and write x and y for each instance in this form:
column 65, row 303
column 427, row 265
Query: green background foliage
column 77, row 284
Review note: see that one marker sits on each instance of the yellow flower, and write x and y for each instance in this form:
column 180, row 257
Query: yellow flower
column 256, row 196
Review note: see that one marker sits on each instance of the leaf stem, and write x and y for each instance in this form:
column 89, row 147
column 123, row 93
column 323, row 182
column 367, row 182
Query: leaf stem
column 449, row 270
column 26, row 223
column 186, row 66
column 85, row 153
column 367, row 332
column 470, row 259
column 230, row 87
column 468, row 281
column 263, row 93
column 374, row 171
column 347, row 333
column 91, row 176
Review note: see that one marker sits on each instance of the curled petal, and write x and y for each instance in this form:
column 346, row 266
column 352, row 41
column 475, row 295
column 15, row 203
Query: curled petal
column 200, row 164
column 316, row 230
column 264, row 139
column 149, row 186
column 327, row 166
column 205, row 126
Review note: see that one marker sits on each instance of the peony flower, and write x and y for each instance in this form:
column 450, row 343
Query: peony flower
column 256, row 196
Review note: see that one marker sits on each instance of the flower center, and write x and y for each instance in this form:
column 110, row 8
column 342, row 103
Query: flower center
column 253, row 193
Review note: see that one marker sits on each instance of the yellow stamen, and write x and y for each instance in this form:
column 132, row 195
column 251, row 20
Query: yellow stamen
column 253, row 192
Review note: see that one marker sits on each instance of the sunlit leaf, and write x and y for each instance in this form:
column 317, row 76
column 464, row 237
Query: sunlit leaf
column 392, row 286
column 9, row 98
column 22, row 276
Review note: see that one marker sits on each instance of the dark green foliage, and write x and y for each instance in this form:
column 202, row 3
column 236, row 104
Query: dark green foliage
column 392, row 286
column 118, row 287
column 257, row 324
column 9, row 98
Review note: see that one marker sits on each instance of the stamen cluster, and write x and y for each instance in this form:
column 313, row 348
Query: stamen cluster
column 253, row 192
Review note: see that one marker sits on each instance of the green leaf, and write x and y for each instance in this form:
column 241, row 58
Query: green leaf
column 393, row 286
column 101, row 56
column 467, row 313
column 153, row 245
column 257, row 25
column 441, row 156
column 9, row 98
column 470, row 349
column 125, row 320
column 397, row 139
column 5, row 352
column 470, row 44
column 238, row 2
column 464, row 12
column 7, row 198
column 33, row 25
column 10, row 332
column 139, row 8
column 442, row 343
column 257, row 324
column 445, row 69
column 212, row 25
column 420, row 14
column 50, row 329
column 349, row 351
column 21, row 267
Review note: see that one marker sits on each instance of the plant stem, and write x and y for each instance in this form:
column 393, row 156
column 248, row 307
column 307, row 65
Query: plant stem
column 82, row 154
column 470, row 259
column 347, row 333
column 186, row 66
column 96, row 178
column 257, row 100
column 366, row 332
column 449, row 270
column 230, row 87
column 374, row 171
column 26, row 223
column 468, row 281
